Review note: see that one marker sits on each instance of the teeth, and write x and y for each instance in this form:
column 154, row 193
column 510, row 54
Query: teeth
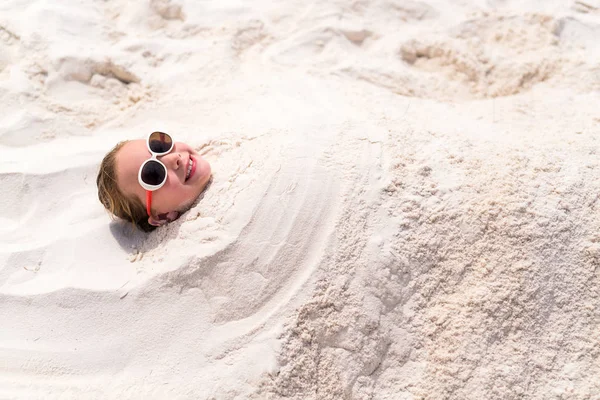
column 190, row 164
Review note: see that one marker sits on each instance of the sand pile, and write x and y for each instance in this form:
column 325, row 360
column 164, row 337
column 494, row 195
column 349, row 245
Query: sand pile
column 403, row 203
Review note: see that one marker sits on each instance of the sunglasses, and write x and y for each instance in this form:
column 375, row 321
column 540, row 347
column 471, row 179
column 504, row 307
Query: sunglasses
column 153, row 173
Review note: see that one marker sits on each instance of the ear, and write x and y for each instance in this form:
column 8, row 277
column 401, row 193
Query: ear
column 156, row 221
column 163, row 219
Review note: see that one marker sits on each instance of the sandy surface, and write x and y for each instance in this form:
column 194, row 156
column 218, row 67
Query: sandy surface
column 403, row 206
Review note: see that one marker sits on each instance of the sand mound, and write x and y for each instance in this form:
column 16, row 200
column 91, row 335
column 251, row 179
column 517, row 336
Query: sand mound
column 466, row 290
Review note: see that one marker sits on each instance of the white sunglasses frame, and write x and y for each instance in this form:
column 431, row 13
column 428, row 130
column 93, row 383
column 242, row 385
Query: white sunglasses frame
column 154, row 157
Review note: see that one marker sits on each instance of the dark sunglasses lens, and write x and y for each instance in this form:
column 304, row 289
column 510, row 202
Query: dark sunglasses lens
column 153, row 173
column 160, row 142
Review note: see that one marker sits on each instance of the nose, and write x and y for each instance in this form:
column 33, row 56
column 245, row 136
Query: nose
column 172, row 160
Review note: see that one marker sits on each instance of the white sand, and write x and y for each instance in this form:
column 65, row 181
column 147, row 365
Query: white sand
column 404, row 202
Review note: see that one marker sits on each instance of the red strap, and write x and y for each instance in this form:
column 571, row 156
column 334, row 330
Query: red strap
column 148, row 202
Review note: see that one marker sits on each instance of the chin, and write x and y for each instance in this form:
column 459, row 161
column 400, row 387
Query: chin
column 206, row 173
column 205, row 182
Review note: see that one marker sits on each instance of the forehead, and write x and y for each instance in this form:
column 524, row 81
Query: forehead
column 135, row 149
column 128, row 161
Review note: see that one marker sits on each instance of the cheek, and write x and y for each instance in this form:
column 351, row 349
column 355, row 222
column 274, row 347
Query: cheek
column 174, row 195
column 183, row 147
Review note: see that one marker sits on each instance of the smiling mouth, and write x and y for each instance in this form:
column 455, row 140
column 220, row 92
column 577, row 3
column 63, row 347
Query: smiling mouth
column 190, row 169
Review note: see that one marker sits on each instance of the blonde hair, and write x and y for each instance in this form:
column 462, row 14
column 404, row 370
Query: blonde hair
column 129, row 208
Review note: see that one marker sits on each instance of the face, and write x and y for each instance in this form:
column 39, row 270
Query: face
column 178, row 193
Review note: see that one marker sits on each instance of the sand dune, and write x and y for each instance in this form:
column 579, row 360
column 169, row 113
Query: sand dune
column 402, row 207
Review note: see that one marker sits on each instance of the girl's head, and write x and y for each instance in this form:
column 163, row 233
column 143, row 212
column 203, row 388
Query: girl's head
column 121, row 192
